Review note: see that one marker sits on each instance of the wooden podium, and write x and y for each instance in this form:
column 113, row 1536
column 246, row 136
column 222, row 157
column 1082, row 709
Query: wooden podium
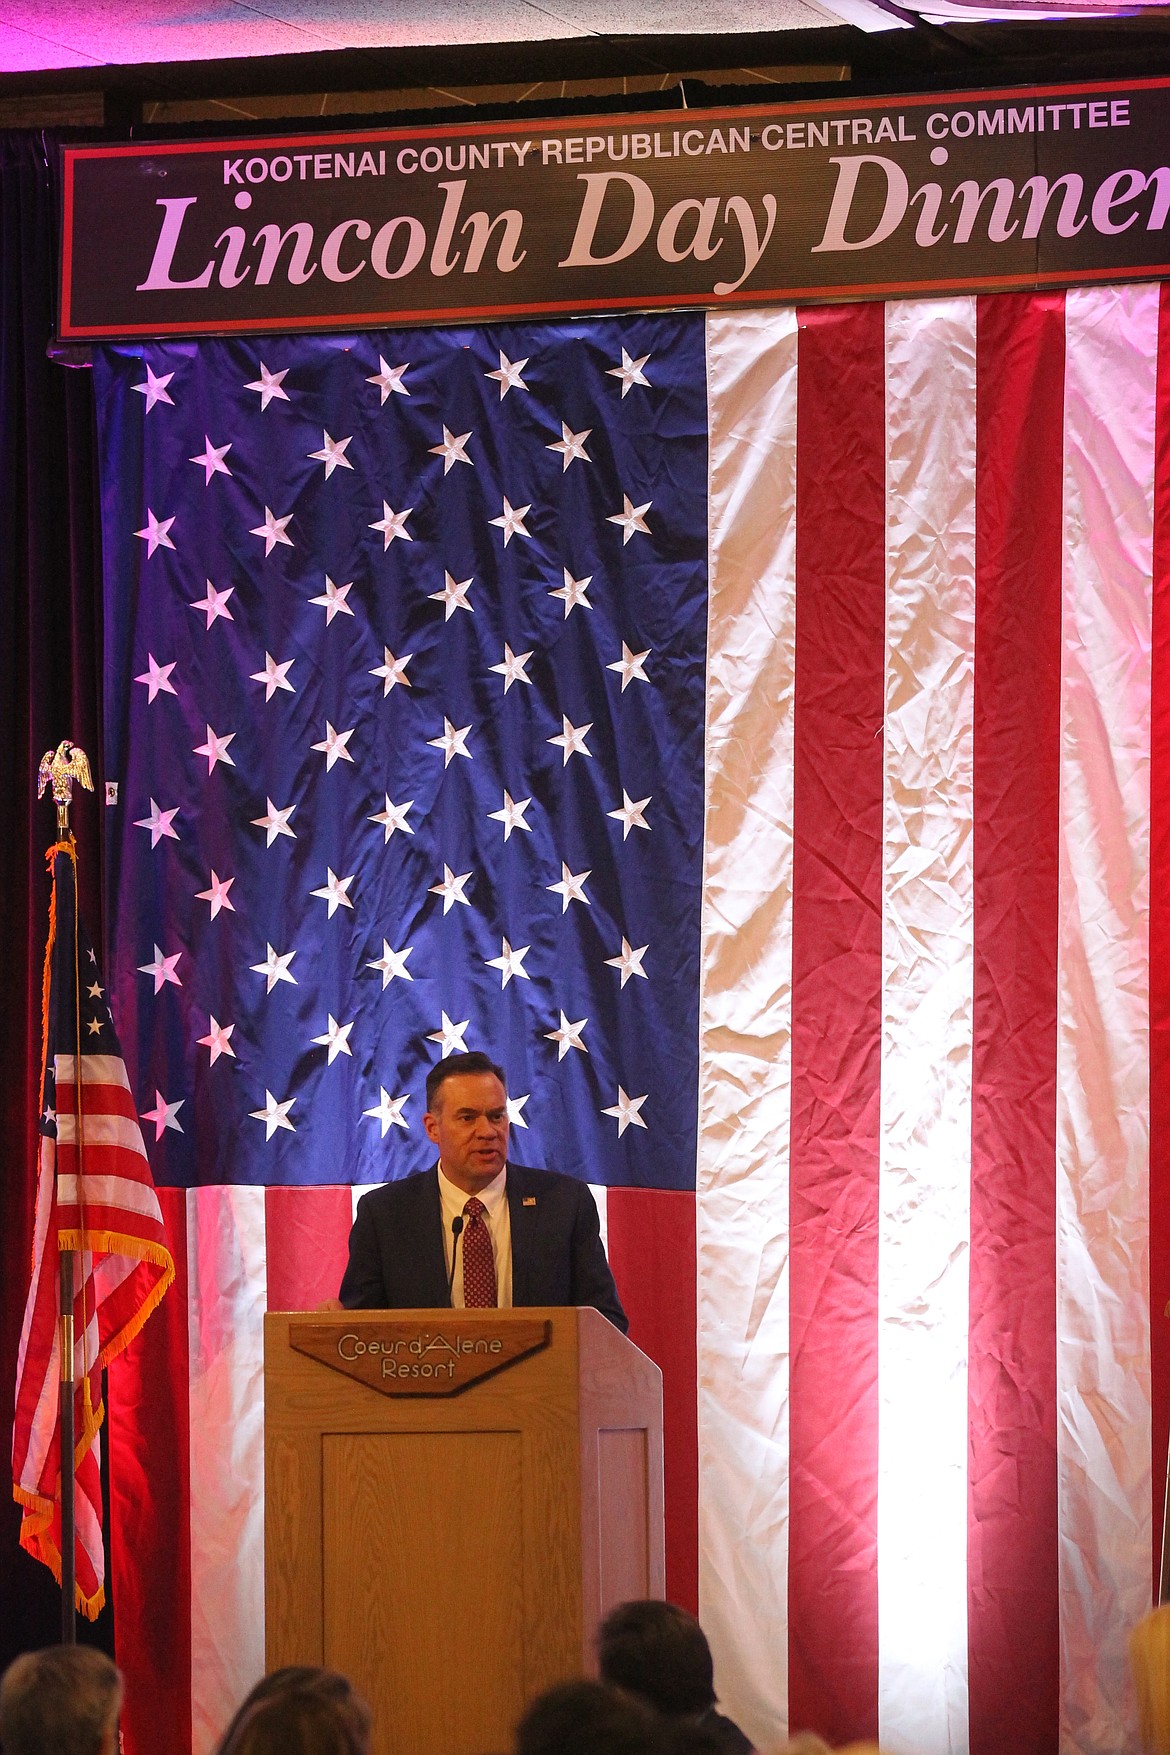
column 453, row 1499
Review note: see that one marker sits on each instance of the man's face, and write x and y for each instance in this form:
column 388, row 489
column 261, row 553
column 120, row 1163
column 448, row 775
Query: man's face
column 469, row 1124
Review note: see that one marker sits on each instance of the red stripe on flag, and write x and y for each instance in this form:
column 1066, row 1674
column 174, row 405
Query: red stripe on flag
column 35, row 1377
column 1013, row 1634
column 115, row 1218
column 150, row 1546
column 836, row 1021
column 651, row 1236
column 102, row 1097
column 1160, row 942
column 306, row 1242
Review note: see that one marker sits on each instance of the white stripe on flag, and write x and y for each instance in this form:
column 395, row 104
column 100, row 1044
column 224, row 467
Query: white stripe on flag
column 87, row 1521
column 112, row 1271
column 102, row 1130
column 97, row 1281
column 1102, row 1046
column 85, row 1345
column 357, row 1191
column 746, row 1016
column 601, row 1196
column 927, row 953
column 227, row 1276
column 110, row 1191
column 96, row 1069
column 42, row 1219
column 44, row 1419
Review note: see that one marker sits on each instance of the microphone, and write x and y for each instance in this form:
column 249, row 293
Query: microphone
column 457, row 1224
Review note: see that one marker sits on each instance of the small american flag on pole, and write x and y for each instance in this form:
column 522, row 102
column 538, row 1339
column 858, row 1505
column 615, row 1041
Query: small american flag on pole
column 95, row 1196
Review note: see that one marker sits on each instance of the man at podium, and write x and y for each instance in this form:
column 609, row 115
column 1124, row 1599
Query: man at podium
column 476, row 1231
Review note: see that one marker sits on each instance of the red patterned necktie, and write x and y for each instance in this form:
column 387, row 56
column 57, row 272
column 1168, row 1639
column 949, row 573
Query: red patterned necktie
column 479, row 1266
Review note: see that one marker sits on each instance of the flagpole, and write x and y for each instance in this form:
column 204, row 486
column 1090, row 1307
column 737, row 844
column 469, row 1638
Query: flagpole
column 62, row 767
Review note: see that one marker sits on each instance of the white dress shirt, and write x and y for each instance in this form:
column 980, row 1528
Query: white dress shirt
column 499, row 1223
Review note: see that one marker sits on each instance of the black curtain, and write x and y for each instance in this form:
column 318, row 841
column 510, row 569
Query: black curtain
column 50, row 662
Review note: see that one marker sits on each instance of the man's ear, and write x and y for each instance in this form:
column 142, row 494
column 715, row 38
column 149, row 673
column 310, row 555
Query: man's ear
column 109, row 1742
column 432, row 1127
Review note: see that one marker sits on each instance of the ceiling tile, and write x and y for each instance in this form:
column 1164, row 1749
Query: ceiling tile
column 132, row 31
column 688, row 17
column 28, row 50
column 363, row 24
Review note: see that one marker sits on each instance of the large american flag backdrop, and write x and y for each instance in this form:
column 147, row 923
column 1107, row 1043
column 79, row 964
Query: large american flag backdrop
column 752, row 730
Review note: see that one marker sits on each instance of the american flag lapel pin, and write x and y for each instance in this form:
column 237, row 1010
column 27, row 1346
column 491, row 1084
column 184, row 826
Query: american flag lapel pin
column 529, row 1200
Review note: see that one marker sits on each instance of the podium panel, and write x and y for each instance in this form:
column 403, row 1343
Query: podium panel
column 623, row 1550
column 453, row 1500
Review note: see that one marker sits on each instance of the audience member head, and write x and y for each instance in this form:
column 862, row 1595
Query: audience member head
column 689, row 1736
column 299, row 1710
column 1149, row 1656
column 61, row 1701
column 587, row 1718
column 660, row 1653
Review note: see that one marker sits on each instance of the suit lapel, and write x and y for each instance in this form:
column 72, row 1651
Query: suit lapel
column 523, row 1222
column 432, row 1267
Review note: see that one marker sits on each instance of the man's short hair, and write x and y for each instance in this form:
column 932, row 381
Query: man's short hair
column 659, row 1652
column 455, row 1066
column 60, row 1701
column 587, row 1718
column 308, row 1680
column 300, row 1710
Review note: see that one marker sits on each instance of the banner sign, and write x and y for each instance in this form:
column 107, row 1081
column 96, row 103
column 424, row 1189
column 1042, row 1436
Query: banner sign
column 406, row 1357
column 827, row 200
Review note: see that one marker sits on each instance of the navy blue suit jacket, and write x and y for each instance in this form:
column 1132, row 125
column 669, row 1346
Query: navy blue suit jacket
column 397, row 1259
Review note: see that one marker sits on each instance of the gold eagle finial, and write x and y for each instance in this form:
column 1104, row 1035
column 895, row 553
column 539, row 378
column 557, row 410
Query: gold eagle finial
column 60, row 768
